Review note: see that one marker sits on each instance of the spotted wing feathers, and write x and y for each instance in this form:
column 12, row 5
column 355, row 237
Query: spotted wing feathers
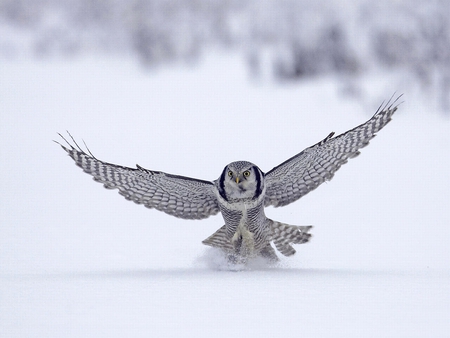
column 305, row 171
column 179, row 196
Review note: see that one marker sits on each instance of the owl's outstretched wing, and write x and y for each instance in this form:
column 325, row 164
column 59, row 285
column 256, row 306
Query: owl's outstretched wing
column 305, row 171
column 179, row 196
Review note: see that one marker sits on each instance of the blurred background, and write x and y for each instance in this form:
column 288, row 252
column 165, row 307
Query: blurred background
column 283, row 40
column 186, row 87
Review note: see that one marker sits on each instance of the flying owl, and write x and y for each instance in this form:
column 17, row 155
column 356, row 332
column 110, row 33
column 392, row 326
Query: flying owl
column 241, row 192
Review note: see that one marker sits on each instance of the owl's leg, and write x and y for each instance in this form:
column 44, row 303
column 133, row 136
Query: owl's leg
column 220, row 240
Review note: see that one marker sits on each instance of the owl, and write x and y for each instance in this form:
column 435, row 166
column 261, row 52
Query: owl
column 241, row 192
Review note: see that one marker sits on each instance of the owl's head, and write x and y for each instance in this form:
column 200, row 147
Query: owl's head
column 241, row 180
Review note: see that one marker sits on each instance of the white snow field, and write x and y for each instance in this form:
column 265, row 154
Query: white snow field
column 77, row 260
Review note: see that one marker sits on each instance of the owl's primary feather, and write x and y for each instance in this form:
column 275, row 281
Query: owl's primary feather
column 242, row 190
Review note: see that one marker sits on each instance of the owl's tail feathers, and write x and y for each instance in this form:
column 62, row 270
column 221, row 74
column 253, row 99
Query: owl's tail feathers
column 219, row 240
column 283, row 235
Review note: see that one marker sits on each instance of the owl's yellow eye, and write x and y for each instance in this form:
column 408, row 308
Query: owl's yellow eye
column 230, row 173
column 246, row 173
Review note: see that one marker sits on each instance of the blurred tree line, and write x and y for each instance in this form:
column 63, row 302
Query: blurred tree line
column 290, row 39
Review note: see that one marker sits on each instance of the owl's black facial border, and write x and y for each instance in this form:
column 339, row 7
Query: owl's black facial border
column 222, row 184
column 258, row 179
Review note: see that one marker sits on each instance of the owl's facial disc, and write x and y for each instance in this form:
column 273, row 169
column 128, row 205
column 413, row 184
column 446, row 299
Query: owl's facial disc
column 240, row 180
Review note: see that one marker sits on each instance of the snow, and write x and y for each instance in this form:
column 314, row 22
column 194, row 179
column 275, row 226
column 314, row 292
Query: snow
column 77, row 260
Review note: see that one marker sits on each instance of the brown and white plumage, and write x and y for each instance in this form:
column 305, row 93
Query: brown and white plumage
column 242, row 190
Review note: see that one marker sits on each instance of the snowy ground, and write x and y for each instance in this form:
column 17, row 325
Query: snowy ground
column 77, row 260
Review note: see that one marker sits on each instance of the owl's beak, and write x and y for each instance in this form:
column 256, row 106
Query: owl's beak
column 237, row 179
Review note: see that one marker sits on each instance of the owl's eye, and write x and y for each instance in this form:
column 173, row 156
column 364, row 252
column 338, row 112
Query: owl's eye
column 246, row 173
column 230, row 173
